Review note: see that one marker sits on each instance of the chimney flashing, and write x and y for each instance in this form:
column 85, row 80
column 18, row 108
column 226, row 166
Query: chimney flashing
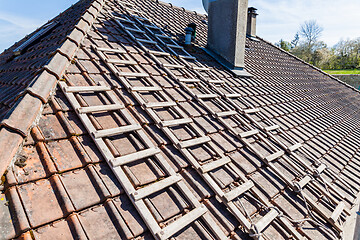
column 236, row 71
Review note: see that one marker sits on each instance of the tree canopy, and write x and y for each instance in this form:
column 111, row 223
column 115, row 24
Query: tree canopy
column 307, row 46
column 311, row 31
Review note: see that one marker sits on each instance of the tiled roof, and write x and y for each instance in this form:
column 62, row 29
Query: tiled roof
column 175, row 145
column 18, row 74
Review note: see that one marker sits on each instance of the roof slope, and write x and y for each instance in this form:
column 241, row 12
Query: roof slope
column 273, row 156
column 19, row 73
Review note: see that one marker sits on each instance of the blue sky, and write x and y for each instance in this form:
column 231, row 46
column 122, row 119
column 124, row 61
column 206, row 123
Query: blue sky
column 277, row 18
column 21, row 17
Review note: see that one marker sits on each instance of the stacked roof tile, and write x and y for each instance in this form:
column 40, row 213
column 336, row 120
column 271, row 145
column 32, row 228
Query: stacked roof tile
column 128, row 135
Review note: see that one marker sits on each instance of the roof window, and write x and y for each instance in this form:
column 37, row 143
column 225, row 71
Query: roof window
column 41, row 33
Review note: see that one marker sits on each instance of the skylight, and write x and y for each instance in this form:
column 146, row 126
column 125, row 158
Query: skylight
column 45, row 29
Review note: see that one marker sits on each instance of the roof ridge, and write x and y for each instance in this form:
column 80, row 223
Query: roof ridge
column 181, row 8
column 28, row 107
column 310, row 65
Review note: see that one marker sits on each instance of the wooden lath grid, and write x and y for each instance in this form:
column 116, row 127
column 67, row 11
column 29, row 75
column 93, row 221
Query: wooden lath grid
column 227, row 197
column 137, row 196
column 263, row 130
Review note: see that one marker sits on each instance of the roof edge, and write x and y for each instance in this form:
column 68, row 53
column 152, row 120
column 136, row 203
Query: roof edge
column 353, row 221
column 312, row 66
column 181, row 8
column 18, row 122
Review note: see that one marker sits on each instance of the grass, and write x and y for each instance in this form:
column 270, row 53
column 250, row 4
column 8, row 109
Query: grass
column 345, row 71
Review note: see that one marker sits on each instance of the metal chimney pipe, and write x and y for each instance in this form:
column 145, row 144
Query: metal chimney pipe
column 188, row 35
column 251, row 22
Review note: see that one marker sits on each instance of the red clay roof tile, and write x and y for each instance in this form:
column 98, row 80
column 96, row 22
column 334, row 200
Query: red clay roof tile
column 102, row 222
column 133, row 220
column 12, row 142
column 109, row 179
column 84, row 187
column 45, row 201
column 51, row 128
column 67, row 154
column 63, row 229
column 21, row 119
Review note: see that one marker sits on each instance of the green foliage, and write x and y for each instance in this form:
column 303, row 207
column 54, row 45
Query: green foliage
column 347, row 54
column 305, row 45
column 344, row 71
column 284, row 45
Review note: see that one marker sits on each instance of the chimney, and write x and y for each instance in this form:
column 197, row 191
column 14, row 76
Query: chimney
column 227, row 33
column 251, row 22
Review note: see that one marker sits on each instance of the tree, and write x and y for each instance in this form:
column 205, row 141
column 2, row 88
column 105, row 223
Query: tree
column 311, row 31
column 295, row 41
column 347, row 54
column 306, row 44
column 324, row 58
column 288, row 46
column 284, row 45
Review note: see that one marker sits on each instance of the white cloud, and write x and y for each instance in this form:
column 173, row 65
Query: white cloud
column 13, row 28
column 19, row 21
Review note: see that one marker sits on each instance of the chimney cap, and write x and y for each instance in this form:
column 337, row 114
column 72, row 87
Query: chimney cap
column 252, row 10
column 189, row 29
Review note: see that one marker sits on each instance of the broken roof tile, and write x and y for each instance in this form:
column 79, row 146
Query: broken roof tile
column 33, row 163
